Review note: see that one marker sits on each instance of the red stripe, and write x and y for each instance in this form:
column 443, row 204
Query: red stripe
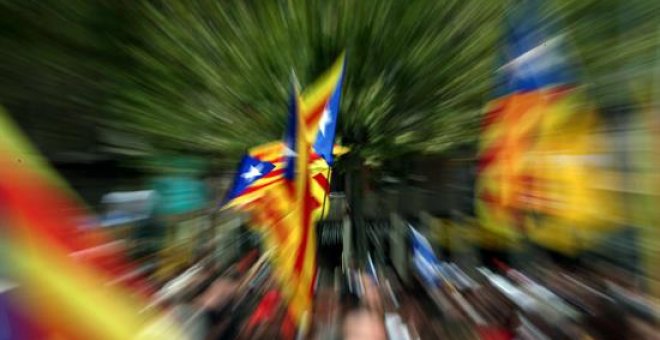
column 489, row 198
column 50, row 214
column 288, row 329
column 492, row 116
column 45, row 209
column 274, row 173
column 308, row 206
column 323, row 182
column 273, row 159
column 317, row 111
column 275, row 219
column 489, row 157
column 252, row 189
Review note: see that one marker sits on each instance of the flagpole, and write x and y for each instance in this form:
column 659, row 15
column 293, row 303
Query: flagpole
column 325, row 195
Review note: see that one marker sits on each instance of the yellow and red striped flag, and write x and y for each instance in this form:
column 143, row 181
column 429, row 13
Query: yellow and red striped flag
column 319, row 100
column 537, row 138
column 285, row 211
column 288, row 198
column 65, row 292
column 298, row 253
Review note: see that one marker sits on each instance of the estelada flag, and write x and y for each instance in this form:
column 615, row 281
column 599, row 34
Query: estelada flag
column 286, row 212
column 533, row 177
column 319, row 109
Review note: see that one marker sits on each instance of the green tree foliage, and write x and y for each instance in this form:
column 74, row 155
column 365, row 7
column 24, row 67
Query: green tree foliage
column 212, row 77
column 215, row 74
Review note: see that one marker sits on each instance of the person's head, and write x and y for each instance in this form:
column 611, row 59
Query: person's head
column 363, row 324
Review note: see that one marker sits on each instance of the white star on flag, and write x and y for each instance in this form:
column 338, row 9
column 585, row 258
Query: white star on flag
column 252, row 173
column 326, row 119
column 288, row 152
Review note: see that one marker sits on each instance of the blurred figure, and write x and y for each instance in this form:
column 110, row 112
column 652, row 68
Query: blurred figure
column 363, row 324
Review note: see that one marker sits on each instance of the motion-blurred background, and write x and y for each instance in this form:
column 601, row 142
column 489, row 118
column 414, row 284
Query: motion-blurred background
column 502, row 179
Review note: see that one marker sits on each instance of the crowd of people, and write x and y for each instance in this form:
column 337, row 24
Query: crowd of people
column 545, row 300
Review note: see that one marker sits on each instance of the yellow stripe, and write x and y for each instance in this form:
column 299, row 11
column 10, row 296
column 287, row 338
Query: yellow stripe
column 324, row 85
column 271, row 148
column 320, row 90
column 66, row 295
column 79, row 298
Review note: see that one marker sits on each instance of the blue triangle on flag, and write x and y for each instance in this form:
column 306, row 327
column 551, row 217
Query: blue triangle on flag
column 325, row 138
column 249, row 171
column 533, row 58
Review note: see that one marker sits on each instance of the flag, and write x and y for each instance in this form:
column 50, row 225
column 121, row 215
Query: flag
column 327, row 125
column 286, row 202
column 424, row 260
column 286, row 211
column 297, row 266
column 265, row 310
column 64, row 289
column 537, row 132
column 510, row 124
column 323, row 141
column 319, row 109
column 323, row 96
column 303, row 246
column 282, row 211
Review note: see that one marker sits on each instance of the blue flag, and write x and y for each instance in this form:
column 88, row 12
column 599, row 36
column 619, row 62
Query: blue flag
column 424, row 259
column 533, row 58
column 249, row 171
column 325, row 138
